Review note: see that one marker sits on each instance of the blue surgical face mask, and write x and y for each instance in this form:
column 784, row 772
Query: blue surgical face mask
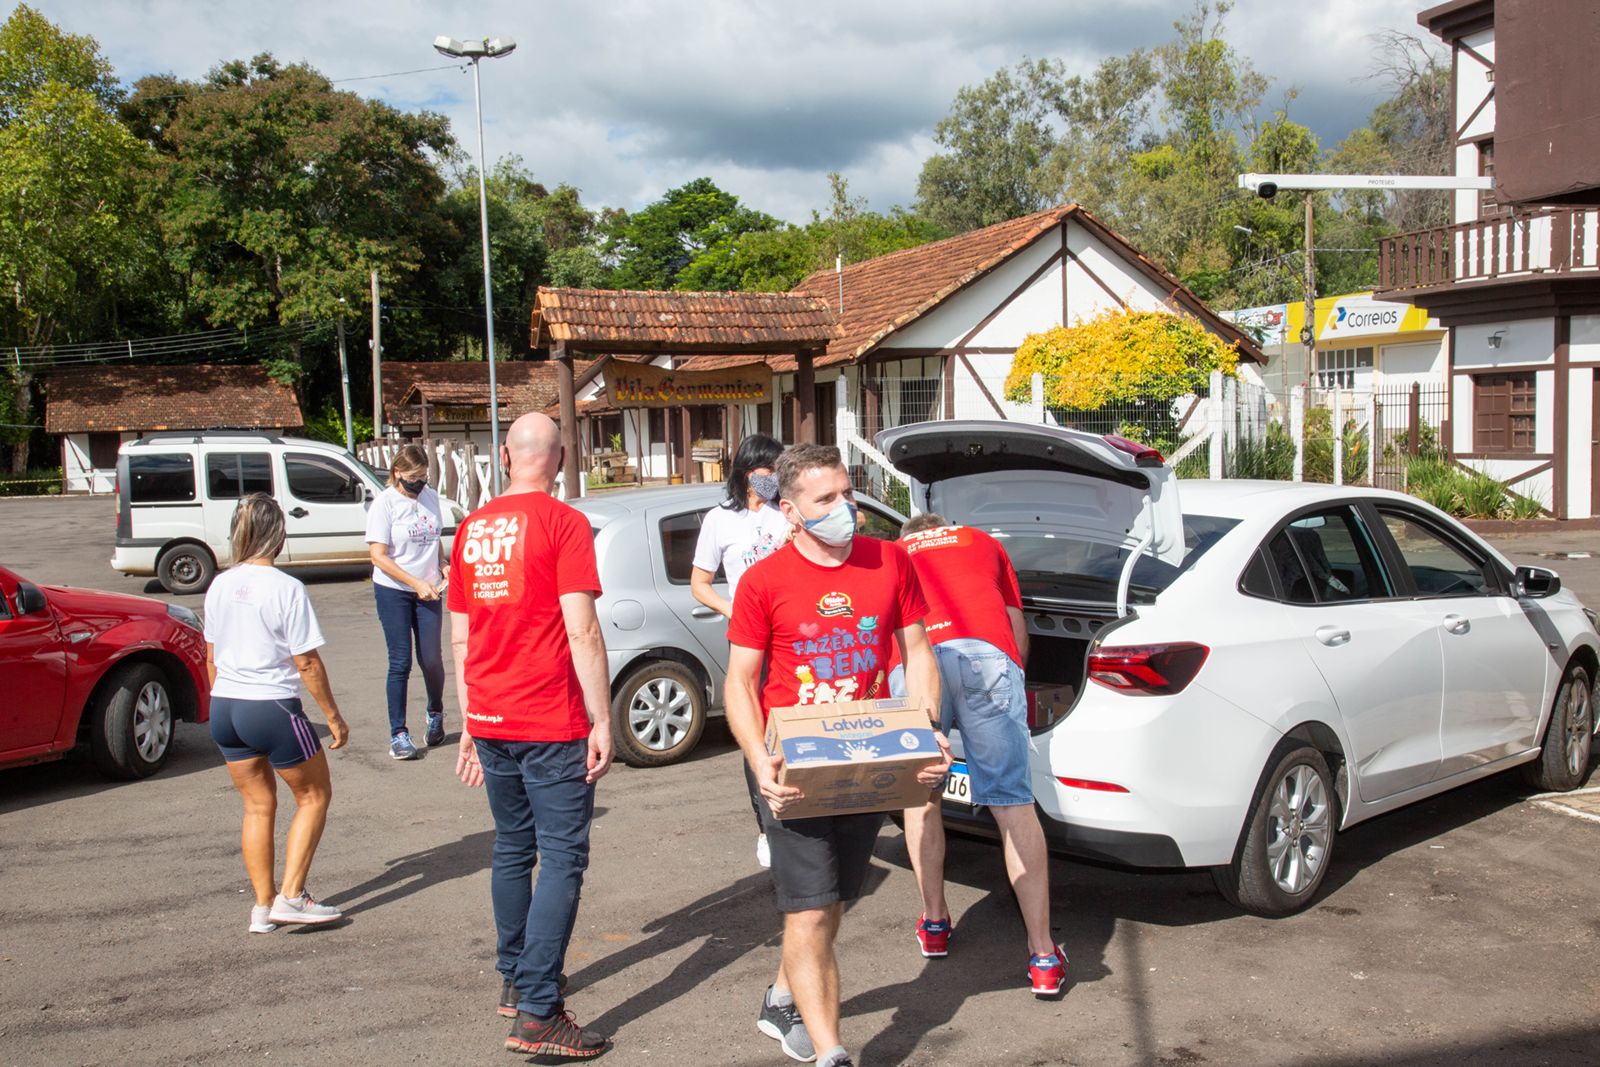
column 764, row 486
column 837, row 527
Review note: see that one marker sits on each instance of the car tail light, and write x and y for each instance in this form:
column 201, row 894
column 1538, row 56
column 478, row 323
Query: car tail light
column 1143, row 455
column 1092, row 786
column 1148, row 670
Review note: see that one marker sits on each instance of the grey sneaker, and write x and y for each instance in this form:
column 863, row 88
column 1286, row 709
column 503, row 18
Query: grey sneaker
column 782, row 1023
column 301, row 911
column 261, row 919
column 400, row 746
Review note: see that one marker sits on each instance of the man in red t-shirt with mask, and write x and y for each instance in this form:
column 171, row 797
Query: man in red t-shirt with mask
column 535, row 699
column 980, row 640
column 822, row 612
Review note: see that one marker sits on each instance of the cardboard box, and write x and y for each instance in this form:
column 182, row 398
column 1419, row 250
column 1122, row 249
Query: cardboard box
column 852, row 757
column 1047, row 703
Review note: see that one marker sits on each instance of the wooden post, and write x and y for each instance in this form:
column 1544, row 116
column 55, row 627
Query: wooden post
column 569, row 418
column 473, row 486
column 639, row 423
column 733, row 429
column 871, row 403
column 686, row 447
column 1414, row 420
column 425, row 406
column 805, row 394
column 949, row 387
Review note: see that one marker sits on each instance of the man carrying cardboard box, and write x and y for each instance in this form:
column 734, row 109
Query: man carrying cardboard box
column 980, row 641
column 821, row 612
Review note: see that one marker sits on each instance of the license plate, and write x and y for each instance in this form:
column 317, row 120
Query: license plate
column 957, row 784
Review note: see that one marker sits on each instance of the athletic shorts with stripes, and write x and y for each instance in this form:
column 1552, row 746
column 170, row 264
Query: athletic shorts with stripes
column 277, row 729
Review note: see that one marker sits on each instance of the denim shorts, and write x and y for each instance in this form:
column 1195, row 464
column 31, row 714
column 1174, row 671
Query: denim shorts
column 985, row 699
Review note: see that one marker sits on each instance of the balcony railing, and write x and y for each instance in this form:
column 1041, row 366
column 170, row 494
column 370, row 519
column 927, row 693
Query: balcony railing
column 1562, row 240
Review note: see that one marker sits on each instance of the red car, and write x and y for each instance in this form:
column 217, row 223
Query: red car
column 79, row 665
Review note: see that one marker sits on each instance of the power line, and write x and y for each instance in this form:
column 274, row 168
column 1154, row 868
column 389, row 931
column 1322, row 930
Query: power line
column 170, row 345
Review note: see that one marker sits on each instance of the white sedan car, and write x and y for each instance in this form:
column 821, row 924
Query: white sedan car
column 1232, row 682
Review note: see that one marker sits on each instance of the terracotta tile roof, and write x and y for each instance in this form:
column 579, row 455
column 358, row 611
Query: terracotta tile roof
column 522, row 386
column 888, row 293
column 596, row 320
column 129, row 398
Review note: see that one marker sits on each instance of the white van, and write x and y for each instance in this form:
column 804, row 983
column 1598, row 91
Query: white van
column 176, row 494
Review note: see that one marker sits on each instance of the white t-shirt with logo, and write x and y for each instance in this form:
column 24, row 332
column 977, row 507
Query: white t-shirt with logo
column 410, row 526
column 259, row 619
column 736, row 539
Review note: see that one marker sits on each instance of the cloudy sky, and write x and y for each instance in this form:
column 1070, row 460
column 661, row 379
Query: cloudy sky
column 627, row 98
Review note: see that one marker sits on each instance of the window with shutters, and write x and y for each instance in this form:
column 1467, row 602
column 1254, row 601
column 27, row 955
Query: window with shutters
column 1504, row 413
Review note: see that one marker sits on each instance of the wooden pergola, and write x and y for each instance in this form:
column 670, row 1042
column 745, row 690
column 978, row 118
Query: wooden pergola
column 600, row 323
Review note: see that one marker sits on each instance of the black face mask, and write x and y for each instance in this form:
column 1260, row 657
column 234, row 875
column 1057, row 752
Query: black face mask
column 413, row 487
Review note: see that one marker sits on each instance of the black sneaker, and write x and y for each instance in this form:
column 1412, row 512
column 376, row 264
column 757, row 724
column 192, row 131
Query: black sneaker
column 782, row 1023
column 508, row 996
column 559, row 1035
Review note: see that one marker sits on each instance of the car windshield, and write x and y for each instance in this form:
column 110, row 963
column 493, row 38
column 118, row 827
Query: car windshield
column 1054, row 567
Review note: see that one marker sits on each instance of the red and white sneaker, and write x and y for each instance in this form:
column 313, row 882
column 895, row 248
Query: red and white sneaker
column 933, row 938
column 1048, row 973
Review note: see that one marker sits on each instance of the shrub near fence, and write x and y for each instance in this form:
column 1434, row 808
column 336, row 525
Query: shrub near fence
column 44, row 481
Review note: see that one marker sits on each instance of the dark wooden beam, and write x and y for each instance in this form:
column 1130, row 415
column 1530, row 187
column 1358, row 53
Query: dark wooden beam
column 686, row 448
column 570, row 439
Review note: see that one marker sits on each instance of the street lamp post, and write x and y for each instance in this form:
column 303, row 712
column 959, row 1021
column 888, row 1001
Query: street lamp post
column 492, row 47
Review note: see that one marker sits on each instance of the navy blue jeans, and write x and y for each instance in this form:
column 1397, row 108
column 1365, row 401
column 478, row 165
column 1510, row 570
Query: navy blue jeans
column 542, row 810
column 406, row 618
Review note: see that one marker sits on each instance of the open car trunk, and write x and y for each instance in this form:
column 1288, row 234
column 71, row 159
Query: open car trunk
column 1075, row 512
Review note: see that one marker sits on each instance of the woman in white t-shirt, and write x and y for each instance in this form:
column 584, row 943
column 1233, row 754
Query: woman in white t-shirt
column 261, row 645
column 745, row 528
column 408, row 569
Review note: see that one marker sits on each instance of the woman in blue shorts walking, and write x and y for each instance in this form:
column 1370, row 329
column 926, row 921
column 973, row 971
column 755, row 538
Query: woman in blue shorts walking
column 261, row 644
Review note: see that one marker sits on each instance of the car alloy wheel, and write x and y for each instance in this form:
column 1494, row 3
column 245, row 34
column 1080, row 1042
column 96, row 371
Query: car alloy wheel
column 1568, row 741
column 1298, row 822
column 152, row 722
column 1580, row 730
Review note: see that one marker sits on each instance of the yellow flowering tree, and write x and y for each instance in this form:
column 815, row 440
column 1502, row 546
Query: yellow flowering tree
column 1120, row 357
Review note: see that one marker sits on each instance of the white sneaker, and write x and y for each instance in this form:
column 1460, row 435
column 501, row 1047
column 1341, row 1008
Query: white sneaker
column 763, row 851
column 302, row 911
column 261, row 919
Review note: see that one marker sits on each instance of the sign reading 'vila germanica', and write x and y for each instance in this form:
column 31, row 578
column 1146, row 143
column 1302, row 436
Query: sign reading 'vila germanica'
column 637, row 385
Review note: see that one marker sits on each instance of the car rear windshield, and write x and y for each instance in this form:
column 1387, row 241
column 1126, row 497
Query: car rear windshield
column 1052, row 567
column 160, row 478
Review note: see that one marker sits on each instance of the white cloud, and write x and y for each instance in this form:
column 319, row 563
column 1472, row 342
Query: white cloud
column 629, row 98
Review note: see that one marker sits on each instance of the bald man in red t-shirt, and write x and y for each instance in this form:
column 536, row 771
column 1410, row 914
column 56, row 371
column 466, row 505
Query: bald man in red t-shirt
column 980, row 639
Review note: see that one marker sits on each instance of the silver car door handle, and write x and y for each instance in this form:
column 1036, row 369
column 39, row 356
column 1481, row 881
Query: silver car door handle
column 704, row 612
column 1457, row 624
column 1332, row 636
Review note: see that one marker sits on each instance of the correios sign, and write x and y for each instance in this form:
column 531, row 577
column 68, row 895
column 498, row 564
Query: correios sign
column 638, row 385
column 1352, row 316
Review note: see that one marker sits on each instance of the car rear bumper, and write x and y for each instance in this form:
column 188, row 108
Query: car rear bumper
column 1126, row 847
column 135, row 559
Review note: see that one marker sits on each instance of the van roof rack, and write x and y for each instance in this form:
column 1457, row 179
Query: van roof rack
column 197, row 436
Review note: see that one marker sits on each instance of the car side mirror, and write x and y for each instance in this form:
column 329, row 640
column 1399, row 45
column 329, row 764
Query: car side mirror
column 1535, row 583
column 30, row 599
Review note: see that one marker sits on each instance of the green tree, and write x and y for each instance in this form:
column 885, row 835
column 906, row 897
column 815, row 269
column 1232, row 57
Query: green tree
column 72, row 234
column 997, row 142
column 647, row 249
column 281, row 193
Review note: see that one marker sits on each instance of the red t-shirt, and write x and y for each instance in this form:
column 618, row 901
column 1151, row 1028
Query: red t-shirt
column 969, row 583
column 826, row 631
column 513, row 560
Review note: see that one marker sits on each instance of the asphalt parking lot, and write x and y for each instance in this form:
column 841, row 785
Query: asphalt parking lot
column 1465, row 930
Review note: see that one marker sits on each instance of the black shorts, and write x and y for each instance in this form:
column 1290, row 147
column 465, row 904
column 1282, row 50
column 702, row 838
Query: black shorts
column 818, row 861
column 276, row 729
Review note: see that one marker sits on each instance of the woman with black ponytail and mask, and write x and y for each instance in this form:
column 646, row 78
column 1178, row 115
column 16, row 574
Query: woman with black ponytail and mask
column 408, row 572
column 745, row 528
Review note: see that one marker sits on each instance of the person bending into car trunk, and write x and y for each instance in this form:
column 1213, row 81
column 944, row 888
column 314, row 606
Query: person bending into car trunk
column 827, row 589
column 535, row 699
column 747, row 527
column 403, row 527
column 261, row 645
column 980, row 640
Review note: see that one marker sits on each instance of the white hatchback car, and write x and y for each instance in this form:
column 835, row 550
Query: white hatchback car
column 1251, row 673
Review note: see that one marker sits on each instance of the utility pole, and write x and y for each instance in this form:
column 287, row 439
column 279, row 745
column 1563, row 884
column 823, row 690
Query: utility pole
column 1308, row 330
column 344, row 382
column 377, row 362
